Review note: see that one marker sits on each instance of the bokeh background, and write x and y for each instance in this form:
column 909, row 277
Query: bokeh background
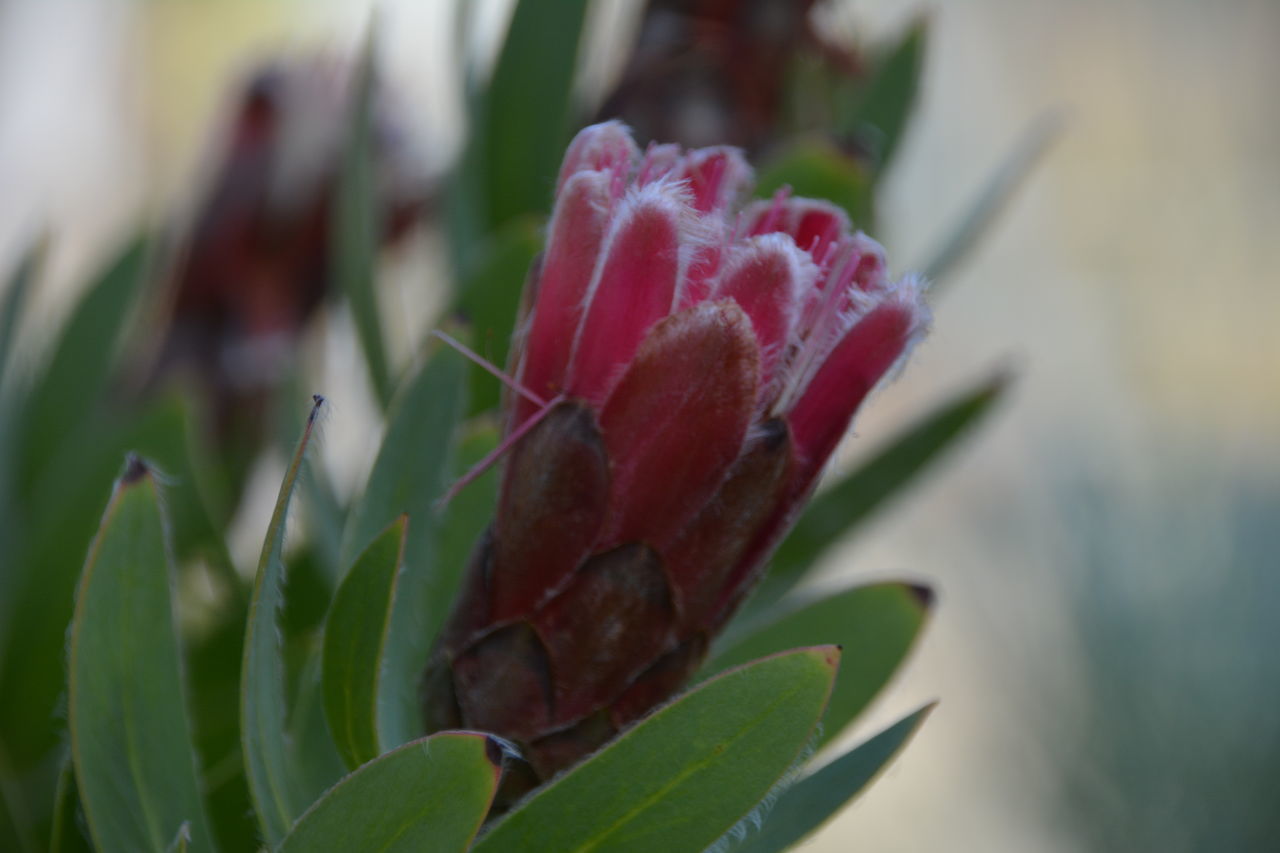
column 1106, row 645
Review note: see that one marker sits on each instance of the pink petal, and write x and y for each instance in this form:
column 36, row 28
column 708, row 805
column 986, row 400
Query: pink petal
column 769, row 278
column 715, row 176
column 576, row 233
column 633, row 288
column 859, row 359
column 677, row 419
column 605, row 147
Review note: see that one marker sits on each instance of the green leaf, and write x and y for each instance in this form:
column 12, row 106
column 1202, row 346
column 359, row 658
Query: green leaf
column 472, row 509
column 60, row 518
column 490, row 302
column 16, row 290
column 806, row 805
column 79, row 364
column 814, row 168
column 408, row 476
column 262, row 699
column 686, row 775
column 65, row 835
column 875, row 625
column 428, row 795
column 130, row 738
column 354, row 636
column 996, row 193
column 525, row 120
column 879, row 115
column 850, row 500
column 356, row 227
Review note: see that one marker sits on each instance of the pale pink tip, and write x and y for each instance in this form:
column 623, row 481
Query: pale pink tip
column 769, row 278
column 634, row 286
column 606, row 147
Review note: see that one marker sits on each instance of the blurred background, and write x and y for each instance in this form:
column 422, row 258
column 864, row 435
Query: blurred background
column 1105, row 647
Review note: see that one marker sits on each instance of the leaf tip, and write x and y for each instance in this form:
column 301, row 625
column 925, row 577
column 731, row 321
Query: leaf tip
column 135, row 469
column 922, row 594
column 499, row 750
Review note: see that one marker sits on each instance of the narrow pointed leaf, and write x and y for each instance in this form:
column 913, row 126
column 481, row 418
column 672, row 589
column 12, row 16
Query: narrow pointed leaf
column 880, row 114
column 875, row 625
column 79, row 363
column 429, row 795
column 995, row 195
column 355, row 634
column 356, row 228
column 851, row 500
column 130, row 738
column 65, row 836
column 682, row 778
column 809, row 803
column 525, row 121
column 409, row 475
column 262, row 699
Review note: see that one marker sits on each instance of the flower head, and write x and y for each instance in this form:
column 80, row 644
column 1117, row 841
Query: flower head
column 697, row 365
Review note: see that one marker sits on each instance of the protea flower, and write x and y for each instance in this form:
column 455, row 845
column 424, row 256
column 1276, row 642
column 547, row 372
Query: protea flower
column 687, row 372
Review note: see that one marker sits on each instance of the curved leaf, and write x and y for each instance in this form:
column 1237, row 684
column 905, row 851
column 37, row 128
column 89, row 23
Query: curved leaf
column 355, row 634
column 80, row 361
column 262, row 701
column 356, row 226
column 808, row 804
column 851, row 500
column 996, row 193
column 408, row 476
column 874, row 625
column 429, row 795
column 880, row 114
column 130, row 739
column 682, row 778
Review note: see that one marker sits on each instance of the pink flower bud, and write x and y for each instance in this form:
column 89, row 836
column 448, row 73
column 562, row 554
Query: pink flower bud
column 701, row 367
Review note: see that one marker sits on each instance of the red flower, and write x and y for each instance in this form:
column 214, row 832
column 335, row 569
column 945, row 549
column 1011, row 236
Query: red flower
column 697, row 369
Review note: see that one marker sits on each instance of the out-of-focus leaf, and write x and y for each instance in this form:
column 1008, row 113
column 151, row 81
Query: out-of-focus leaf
column 61, row 518
column 65, row 835
column 875, row 626
column 686, row 775
column 850, row 500
column 15, row 292
column 356, row 228
column 490, row 301
column 130, row 738
column 79, row 363
column 816, row 169
column 806, row 805
column 879, row 115
column 428, row 795
column 262, row 698
column 525, row 121
column 408, row 476
column 354, row 636
column 995, row 195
